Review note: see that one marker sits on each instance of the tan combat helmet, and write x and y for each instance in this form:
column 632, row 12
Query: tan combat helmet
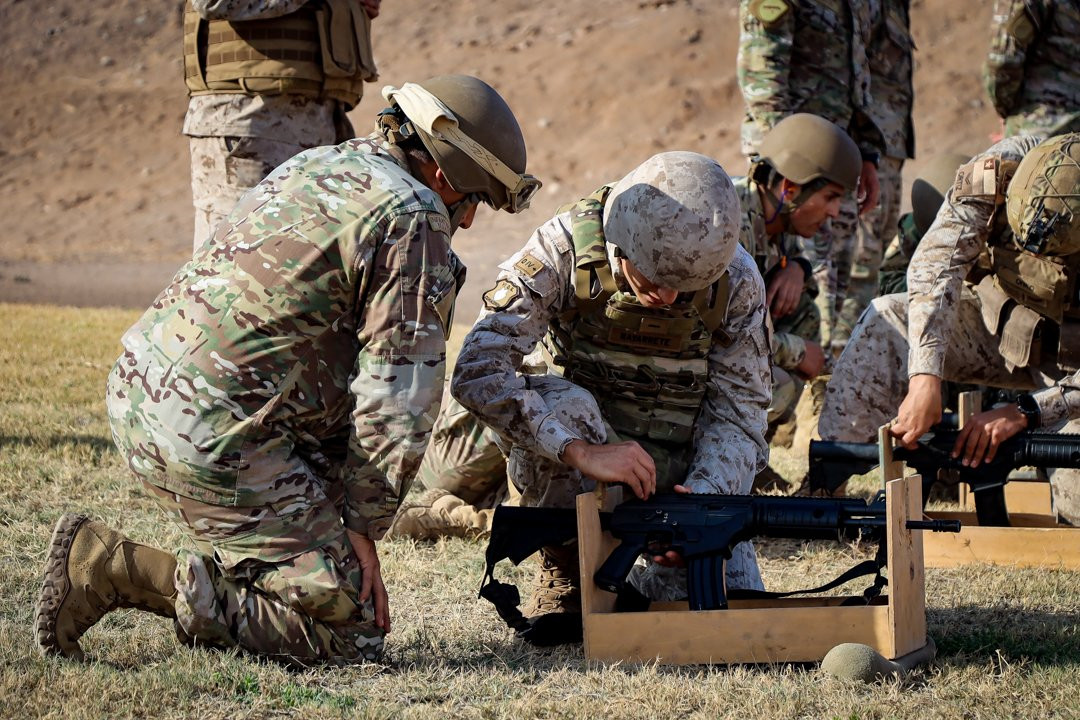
column 811, row 151
column 930, row 187
column 676, row 218
column 471, row 133
column 1043, row 198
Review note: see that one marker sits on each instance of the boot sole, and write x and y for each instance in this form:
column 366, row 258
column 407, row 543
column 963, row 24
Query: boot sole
column 55, row 587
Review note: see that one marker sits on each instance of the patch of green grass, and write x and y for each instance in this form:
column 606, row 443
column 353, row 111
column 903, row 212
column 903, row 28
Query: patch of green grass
column 1009, row 640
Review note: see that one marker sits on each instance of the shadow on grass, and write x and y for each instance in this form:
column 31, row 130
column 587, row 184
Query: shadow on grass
column 96, row 443
column 969, row 635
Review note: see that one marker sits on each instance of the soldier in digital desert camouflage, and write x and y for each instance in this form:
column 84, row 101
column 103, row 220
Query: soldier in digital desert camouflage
column 653, row 362
column 1032, row 72
column 267, row 79
column 276, row 398
column 1014, row 323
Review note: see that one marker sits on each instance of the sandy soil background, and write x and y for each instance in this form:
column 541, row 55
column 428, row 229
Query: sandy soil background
column 94, row 182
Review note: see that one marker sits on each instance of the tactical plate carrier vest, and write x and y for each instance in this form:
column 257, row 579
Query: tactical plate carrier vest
column 323, row 50
column 1028, row 300
column 646, row 367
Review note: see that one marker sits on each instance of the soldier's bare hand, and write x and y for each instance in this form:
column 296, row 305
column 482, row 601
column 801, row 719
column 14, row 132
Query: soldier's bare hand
column 869, row 188
column 981, row 436
column 372, row 583
column 813, row 361
column 785, row 289
column 919, row 411
column 371, row 7
column 624, row 462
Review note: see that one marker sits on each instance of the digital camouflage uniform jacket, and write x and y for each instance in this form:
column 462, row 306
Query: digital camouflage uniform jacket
column 945, row 256
column 812, row 59
column 1033, row 69
column 729, row 433
column 307, row 337
column 788, row 348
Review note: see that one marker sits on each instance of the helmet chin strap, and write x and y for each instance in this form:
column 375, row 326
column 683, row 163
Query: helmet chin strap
column 458, row 211
column 783, row 209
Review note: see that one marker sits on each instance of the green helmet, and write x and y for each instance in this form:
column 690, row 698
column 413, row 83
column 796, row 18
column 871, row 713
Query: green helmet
column 472, row 135
column 930, row 187
column 676, row 218
column 804, row 147
column 1043, row 198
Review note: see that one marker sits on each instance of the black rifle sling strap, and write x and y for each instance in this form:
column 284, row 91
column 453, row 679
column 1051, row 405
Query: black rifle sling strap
column 866, row 567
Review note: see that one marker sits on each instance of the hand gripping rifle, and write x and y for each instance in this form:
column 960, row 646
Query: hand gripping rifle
column 703, row 529
column 831, row 463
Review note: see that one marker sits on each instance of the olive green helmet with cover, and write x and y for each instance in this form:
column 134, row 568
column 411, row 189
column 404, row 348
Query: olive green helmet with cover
column 471, row 134
column 676, row 218
column 1043, row 198
column 811, row 151
column 930, row 187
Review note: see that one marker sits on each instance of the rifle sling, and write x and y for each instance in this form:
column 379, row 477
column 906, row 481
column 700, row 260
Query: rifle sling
column 866, row 567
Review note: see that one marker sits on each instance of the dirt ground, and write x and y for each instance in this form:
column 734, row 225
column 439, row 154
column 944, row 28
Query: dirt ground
column 94, row 182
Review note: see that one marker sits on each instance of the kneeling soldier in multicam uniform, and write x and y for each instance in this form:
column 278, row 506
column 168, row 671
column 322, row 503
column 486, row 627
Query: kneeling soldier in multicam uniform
column 1015, row 324
column 651, row 320
column 804, row 168
column 277, row 397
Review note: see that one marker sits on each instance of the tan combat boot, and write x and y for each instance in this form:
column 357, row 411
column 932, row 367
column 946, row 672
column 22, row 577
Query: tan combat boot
column 90, row 571
column 558, row 584
column 439, row 513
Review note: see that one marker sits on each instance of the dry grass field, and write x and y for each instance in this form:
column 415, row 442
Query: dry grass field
column 1009, row 640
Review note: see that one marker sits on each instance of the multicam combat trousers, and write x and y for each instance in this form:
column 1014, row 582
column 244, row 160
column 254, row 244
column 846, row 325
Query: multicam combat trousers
column 870, row 379
column 875, row 228
column 280, row 581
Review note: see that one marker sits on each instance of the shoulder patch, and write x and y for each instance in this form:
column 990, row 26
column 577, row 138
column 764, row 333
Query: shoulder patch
column 982, row 178
column 529, row 265
column 502, row 295
column 1021, row 25
column 769, row 12
column 439, row 223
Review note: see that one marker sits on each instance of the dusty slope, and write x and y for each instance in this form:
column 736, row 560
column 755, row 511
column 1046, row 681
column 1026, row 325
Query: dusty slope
column 94, row 175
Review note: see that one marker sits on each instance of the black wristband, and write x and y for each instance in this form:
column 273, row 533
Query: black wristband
column 807, row 268
column 1029, row 408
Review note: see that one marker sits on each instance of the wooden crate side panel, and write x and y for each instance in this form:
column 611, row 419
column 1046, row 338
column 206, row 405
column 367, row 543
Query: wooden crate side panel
column 1047, row 547
column 907, row 585
column 799, row 634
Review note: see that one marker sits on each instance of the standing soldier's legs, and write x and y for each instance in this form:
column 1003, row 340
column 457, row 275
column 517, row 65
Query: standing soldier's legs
column 224, row 168
column 874, row 230
column 830, row 254
column 461, row 480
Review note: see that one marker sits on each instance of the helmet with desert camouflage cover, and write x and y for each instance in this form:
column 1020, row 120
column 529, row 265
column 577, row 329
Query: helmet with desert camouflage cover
column 470, row 132
column 676, row 218
column 1043, row 198
column 805, row 148
column 930, row 187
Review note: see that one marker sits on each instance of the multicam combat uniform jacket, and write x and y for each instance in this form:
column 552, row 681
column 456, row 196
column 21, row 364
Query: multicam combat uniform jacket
column 812, row 59
column 305, row 339
column 1033, row 69
column 536, row 286
column 945, row 256
column 788, row 347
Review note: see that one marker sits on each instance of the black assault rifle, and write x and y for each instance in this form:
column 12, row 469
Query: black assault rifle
column 703, row 529
column 832, row 463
